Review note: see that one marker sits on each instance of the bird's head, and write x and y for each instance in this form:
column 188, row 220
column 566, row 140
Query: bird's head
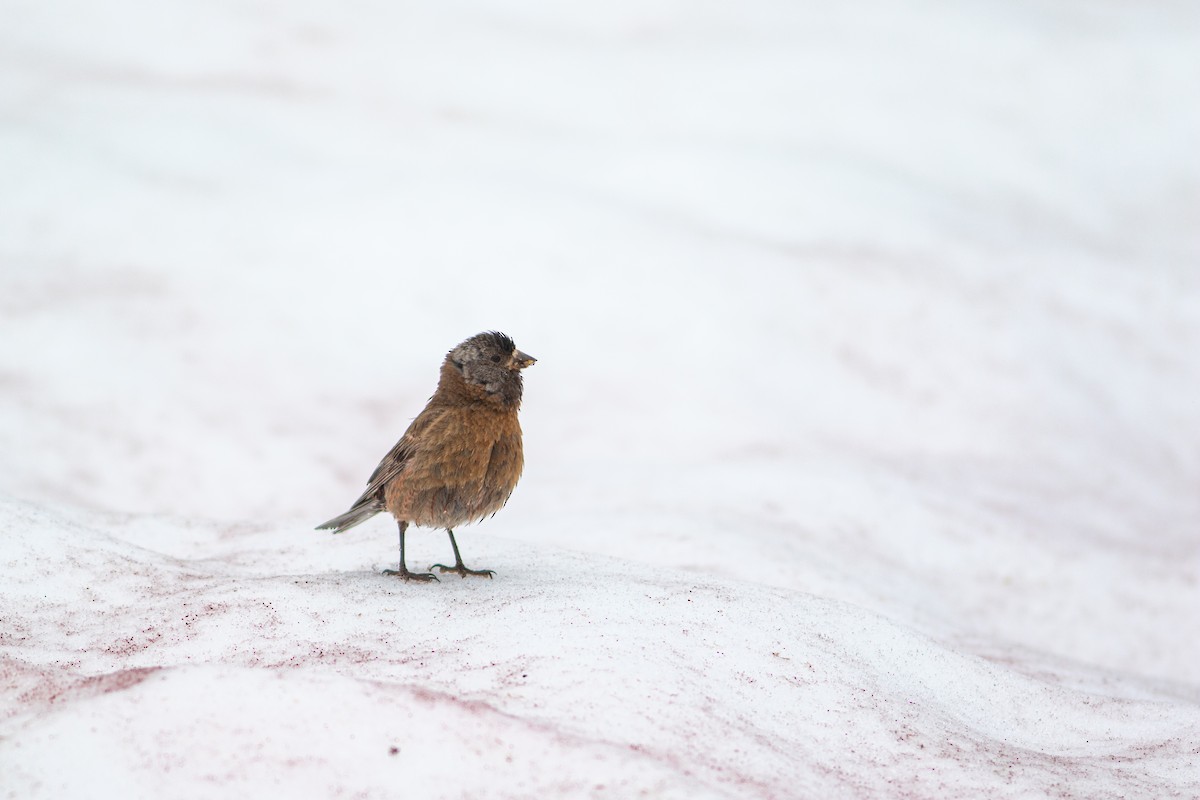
column 491, row 362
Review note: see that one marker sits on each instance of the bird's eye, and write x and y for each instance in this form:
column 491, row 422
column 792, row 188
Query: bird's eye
column 495, row 359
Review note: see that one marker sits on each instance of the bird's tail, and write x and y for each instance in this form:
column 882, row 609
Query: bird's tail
column 360, row 512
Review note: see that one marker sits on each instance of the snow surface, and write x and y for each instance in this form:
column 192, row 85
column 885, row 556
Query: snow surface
column 863, row 448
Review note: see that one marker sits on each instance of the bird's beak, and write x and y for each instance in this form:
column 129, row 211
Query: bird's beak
column 523, row 360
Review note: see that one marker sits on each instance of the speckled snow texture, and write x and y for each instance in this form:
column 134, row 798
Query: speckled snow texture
column 570, row 675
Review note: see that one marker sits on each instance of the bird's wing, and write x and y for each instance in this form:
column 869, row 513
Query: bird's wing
column 400, row 454
column 391, row 466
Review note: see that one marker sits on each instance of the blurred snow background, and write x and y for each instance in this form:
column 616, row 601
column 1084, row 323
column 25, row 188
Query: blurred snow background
column 873, row 328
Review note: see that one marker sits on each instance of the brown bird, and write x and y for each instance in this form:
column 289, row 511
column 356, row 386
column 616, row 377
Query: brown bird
column 460, row 459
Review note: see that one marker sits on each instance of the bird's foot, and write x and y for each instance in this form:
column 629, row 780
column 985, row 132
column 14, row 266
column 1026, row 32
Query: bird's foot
column 404, row 574
column 462, row 570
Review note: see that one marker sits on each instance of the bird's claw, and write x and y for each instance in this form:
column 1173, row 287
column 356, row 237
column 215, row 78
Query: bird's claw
column 404, row 574
column 463, row 571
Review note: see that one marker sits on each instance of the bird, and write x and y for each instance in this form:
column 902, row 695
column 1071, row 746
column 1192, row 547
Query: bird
column 460, row 458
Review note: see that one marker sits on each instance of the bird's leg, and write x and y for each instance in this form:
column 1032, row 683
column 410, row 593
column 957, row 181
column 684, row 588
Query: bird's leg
column 459, row 567
column 403, row 572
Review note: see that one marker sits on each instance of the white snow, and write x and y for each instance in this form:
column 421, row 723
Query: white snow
column 863, row 448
